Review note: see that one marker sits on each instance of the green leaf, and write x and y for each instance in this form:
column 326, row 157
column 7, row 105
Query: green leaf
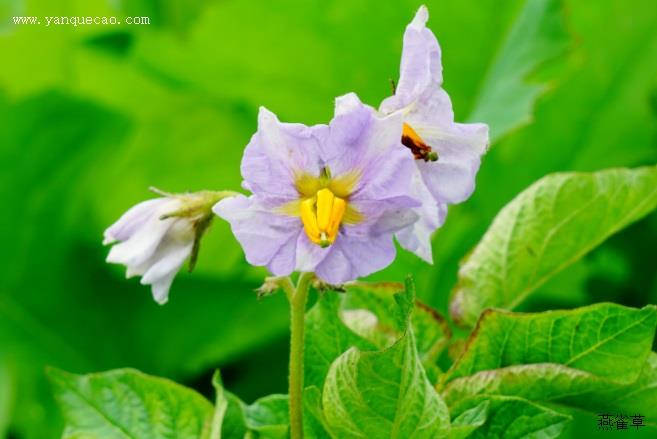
column 269, row 417
column 591, row 339
column 327, row 337
column 640, row 396
column 385, row 393
column 314, row 422
column 566, row 386
column 546, row 228
column 514, row 418
column 595, row 358
column 126, row 403
column 469, row 421
column 220, row 406
column 372, row 310
column 507, row 96
column 234, row 423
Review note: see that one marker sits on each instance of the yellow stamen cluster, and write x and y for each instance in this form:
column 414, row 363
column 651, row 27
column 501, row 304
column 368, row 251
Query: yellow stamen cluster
column 321, row 216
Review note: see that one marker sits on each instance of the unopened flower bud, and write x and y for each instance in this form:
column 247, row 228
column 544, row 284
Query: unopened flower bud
column 155, row 237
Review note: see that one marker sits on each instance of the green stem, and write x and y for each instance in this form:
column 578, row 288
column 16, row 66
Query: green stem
column 297, row 325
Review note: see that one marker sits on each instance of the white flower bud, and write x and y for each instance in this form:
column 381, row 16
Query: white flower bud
column 154, row 238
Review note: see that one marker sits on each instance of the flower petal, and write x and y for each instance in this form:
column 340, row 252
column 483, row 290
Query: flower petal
column 276, row 154
column 142, row 243
column 168, row 258
column 421, row 66
column 161, row 274
column 353, row 258
column 309, row 255
column 132, row 220
column 383, row 216
column 268, row 238
column 369, row 145
column 160, row 288
column 452, row 178
column 416, row 237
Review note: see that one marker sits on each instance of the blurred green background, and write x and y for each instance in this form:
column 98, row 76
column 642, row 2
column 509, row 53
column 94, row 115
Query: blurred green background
column 90, row 116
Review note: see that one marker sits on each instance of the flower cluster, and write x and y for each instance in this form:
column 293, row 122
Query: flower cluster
column 331, row 198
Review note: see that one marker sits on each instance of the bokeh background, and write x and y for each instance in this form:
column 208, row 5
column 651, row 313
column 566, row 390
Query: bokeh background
column 90, row 116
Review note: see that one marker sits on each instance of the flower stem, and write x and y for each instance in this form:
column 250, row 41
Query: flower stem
column 297, row 326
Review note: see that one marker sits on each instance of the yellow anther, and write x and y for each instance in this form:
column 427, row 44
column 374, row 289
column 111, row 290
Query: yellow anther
column 324, row 205
column 337, row 213
column 408, row 131
column 321, row 217
column 309, row 219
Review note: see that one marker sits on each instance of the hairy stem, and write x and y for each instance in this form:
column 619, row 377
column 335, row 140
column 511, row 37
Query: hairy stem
column 297, row 326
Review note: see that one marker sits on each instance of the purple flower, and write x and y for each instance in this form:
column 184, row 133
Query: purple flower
column 446, row 153
column 326, row 198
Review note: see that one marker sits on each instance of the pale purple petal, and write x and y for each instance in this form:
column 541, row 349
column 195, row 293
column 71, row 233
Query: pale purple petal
column 284, row 261
column 416, row 238
column 421, row 66
column 277, row 153
column 142, row 244
column 353, row 258
column 451, row 179
column 309, row 254
column 267, row 237
column 132, row 220
column 336, row 268
column 370, row 145
column 383, row 216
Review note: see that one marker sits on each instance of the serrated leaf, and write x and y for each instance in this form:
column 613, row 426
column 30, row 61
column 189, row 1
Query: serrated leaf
column 514, row 418
column 566, row 386
column 125, row 404
column 593, row 339
column 384, row 394
column 386, row 321
column 595, row 358
column 546, row 228
column 507, row 96
column 368, row 317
